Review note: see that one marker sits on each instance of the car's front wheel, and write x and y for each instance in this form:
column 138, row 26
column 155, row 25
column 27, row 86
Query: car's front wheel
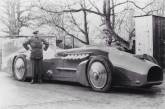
column 19, row 68
column 99, row 74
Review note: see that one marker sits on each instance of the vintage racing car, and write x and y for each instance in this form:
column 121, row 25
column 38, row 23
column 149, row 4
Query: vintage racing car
column 98, row 67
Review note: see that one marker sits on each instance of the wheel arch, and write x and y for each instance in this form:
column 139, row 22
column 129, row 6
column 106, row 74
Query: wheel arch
column 104, row 57
column 109, row 68
column 12, row 68
column 82, row 72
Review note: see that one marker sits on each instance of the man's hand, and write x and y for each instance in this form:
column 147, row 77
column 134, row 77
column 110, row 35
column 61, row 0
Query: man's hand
column 25, row 44
column 30, row 49
column 46, row 44
column 45, row 48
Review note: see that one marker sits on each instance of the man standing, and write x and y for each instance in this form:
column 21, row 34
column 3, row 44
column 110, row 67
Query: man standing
column 35, row 45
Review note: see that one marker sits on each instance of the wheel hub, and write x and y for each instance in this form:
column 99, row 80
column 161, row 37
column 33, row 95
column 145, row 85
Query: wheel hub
column 96, row 76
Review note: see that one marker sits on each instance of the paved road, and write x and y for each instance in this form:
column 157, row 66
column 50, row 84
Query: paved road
column 22, row 95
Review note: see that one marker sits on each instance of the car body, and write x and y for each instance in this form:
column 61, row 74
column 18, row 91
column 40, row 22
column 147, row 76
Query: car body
column 99, row 67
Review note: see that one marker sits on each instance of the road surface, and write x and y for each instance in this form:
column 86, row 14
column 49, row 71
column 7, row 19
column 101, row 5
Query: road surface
column 23, row 95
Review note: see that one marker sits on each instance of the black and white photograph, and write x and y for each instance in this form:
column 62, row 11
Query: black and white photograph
column 82, row 54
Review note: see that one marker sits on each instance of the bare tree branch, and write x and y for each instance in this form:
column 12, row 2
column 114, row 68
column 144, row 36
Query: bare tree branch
column 62, row 28
column 77, row 25
column 151, row 11
column 98, row 10
column 73, row 11
column 132, row 2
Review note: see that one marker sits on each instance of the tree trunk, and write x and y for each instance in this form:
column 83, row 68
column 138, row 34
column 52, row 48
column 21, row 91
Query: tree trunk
column 110, row 32
column 107, row 13
column 113, row 15
column 86, row 27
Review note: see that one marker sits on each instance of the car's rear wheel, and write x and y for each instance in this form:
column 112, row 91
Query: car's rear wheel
column 99, row 74
column 19, row 68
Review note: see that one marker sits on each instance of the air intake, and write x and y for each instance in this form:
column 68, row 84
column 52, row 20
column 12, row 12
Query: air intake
column 155, row 74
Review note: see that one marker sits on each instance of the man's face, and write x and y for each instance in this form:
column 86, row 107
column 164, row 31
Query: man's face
column 35, row 35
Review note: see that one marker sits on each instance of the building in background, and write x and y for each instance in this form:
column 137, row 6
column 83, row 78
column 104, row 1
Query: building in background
column 150, row 37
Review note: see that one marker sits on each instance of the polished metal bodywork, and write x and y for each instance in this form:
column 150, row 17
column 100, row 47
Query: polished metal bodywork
column 72, row 64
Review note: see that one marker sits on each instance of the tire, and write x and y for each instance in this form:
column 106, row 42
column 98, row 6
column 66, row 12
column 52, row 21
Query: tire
column 99, row 74
column 19, row 68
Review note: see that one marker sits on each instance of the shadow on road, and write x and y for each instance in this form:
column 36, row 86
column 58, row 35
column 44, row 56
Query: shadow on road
column 147, row 92
column 150, row 92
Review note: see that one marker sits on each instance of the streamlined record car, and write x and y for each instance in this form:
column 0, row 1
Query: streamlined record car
column 98, row 67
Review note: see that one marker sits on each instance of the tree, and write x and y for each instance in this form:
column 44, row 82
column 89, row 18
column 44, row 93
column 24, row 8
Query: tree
column 85, row 30
column 14, row 18
column 78, row 30
column 108, row 15
column 158, row 8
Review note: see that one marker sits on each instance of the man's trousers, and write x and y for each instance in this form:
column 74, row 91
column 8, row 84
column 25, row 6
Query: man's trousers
column 37, row 70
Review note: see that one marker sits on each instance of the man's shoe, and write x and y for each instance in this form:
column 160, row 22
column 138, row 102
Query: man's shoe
column 40, row 81
column 32, row 82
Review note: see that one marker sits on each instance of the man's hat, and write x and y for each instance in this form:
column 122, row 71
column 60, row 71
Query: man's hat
column 35, row 32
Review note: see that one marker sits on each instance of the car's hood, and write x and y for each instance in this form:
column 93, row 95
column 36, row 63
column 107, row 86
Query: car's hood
column 130, row 61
